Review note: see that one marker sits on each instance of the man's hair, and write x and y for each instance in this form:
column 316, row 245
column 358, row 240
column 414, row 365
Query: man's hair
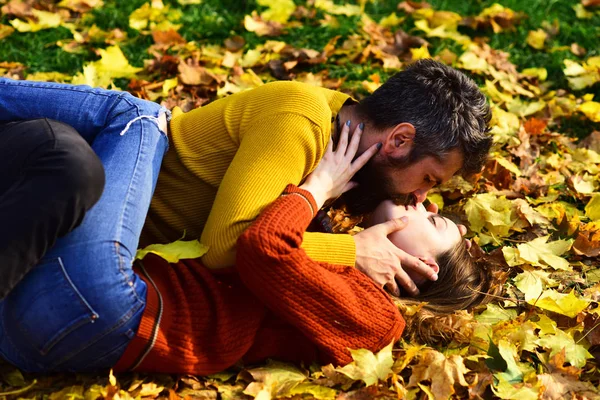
column 446, row 108
column 462, row 284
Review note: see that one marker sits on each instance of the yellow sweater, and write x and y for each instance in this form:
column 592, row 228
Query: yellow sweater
column 230, row 159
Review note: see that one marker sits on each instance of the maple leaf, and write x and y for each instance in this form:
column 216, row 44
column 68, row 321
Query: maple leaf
column 273, row 380
column 505, row 390
column 443, row 372
column 112, row 64
column 587, row 242
column 41, row 20
column 539, row 252
column 278, row 10
column 369, row 367
column 558, row 386
column 565, row 304
column 575, row 354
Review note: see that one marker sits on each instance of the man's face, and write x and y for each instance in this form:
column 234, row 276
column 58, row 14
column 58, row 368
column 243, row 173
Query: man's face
column 378, row 180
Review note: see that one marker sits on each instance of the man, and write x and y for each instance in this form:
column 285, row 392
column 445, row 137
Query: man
column 232, row 158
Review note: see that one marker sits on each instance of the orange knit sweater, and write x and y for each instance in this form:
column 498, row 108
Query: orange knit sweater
column 276, row 303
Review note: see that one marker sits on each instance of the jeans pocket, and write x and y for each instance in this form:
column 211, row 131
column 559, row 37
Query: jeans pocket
column 46, row 306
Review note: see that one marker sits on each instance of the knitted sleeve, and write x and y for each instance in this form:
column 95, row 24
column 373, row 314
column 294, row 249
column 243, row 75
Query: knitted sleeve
column 274, row 151
column 335, row 306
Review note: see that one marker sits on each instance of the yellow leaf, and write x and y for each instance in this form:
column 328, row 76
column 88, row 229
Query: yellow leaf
column 575, row 353
column 530, row 284
column 592, row 209
column 565, row 304
column 278, row 10
column 112, row 64
column 316, row 391
column 540, row 253
column 391, row 21
column 369, row 367
column 581, row 12
column 45, row 20
column 330, row 7
column 437, row 199
column 590, row 109
column 505, row 390
column 275, row 380
column 443, row 372
column 540, row 73
column 49, row 77
column 494, row 314
column 111, row 378
column 5, row 31
column 420, row 53
column 175, row 251
column 537, row 38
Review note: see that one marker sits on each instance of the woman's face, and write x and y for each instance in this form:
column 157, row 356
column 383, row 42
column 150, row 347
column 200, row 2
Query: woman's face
column 426, row 234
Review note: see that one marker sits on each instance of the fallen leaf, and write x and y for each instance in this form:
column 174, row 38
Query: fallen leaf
column 369, row 367
column 174, row 251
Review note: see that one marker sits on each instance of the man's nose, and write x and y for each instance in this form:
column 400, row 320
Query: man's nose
column 420, row 195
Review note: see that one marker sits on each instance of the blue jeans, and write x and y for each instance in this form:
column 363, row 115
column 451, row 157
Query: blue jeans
column 79, row 307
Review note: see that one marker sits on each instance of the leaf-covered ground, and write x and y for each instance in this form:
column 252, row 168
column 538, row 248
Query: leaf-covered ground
column 534, row 213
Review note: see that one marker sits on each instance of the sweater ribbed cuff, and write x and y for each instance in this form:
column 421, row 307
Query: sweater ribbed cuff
column 293, row 189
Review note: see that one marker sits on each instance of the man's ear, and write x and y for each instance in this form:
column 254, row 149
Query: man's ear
column 399, row 140
column 431, row 262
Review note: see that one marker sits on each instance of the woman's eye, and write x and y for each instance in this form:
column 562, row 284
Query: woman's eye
column 432, row 220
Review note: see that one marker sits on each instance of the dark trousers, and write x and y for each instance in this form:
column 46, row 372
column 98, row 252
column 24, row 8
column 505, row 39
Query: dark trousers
column 49, row 178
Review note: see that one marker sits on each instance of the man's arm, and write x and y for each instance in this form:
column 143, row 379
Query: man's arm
column 273, row 152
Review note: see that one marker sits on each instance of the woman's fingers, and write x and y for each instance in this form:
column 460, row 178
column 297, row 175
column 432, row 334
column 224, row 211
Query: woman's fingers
column 343, row 142
column 355, row 141
column 364, row 158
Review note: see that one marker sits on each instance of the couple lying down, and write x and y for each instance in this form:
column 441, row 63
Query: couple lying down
column 86, row 306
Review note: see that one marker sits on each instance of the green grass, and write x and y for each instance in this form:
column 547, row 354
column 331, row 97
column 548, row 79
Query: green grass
column 213, row 21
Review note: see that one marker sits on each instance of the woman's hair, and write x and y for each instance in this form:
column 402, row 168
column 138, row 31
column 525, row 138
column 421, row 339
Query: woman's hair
column 463, row 283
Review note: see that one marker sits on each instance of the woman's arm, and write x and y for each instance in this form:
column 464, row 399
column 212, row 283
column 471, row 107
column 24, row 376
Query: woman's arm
column 336, row 306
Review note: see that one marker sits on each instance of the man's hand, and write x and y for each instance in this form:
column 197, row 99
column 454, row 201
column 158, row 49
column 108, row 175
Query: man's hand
column 384, row 263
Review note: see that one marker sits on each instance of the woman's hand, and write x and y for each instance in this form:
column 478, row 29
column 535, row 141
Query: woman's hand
column 332, row 176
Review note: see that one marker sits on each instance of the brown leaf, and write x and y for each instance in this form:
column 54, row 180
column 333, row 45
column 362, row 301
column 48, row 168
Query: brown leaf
column 578, row 50
column 18, row 8
column 590, row 3
column 443, row 372
column 403, row 42
column 167, row 38
column 557, row 386
column 234, row 43
column 410, row 7
column 194, row 74
column 257, row 25
column 588, row 240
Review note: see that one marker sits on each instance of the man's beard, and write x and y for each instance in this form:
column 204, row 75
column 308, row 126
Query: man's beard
column 374, row 186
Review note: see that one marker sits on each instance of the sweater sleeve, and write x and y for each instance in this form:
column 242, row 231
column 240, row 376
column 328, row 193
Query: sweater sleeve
column 335, row 306
column 273, row 151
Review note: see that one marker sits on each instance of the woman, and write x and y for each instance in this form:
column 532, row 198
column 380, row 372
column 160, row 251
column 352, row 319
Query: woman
column 276, row 303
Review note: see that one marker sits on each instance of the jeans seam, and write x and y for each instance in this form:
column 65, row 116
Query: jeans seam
column 125, row 318
column 121, row 261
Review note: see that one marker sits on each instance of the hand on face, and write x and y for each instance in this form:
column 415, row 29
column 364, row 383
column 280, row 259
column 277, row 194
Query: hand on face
column 426, row 235
column 386, row 264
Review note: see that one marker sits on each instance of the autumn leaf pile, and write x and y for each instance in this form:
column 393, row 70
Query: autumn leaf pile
column 533, row 214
